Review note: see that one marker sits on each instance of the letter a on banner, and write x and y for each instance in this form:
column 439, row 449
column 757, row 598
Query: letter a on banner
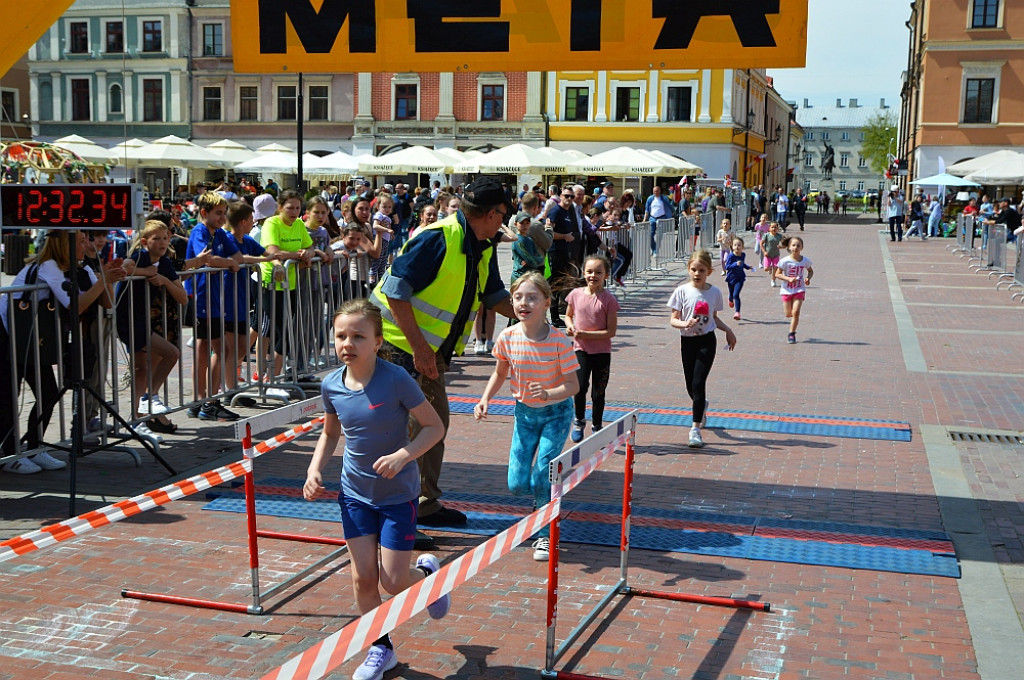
column 332, row 36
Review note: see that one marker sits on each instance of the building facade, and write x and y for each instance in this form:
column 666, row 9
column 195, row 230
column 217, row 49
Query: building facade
column 962, row 94
column 837, row 127
column 15, row 116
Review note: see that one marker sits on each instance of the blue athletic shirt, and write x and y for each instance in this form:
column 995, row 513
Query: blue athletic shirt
column 222, row 244
column 375, row 422
column 236, row 294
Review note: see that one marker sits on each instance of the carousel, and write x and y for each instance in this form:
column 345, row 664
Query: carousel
column 43, row 163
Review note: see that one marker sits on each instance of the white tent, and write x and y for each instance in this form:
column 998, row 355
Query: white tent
column 417, row 159
column 278, row 162
column 1008, row 170
column 678, row 165
column 945, row 180
column 980, row 162
column 622, row 161
column 173, row 152
column 516, row 159
column 274, row 146
column 337, row 164
column 87, row 149
column 231, row 152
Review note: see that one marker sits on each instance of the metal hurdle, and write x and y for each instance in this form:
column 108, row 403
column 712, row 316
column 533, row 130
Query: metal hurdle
column 564, row 473
column 244, row 430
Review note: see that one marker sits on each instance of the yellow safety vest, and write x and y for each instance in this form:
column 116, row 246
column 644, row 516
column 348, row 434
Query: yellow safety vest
column 436, row 306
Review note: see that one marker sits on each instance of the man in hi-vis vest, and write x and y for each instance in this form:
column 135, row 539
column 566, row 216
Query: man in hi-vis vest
column 429, row 298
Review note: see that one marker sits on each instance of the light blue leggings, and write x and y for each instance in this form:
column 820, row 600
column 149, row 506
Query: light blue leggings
column 541, row 431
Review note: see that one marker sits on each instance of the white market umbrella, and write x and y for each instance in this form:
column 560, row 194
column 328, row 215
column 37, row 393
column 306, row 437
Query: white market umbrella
column 679, row 166
column 87, row 149
column 411, row 159
column 277, row 162
column 515, row 159
column 274, row 146
column 1006, row 171
column 981, row 162
column 336, row 164
column 622, row 161
column 174, row 152
column 455, row 155
column 231, row 152
column 945, row 180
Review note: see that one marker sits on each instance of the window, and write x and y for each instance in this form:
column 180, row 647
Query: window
column 680, row 104
column 211, row 103
column 860, row 186
column 577, row 103
column 978, row 102
column 319, row 100
column 79, row 43
column 627, row 104
column 842, row 185
column 8, row 102
column 115, row 103
column 807, row 185
column 248, row 102
column 862, row 163
column 213, row 40
column 809, row 136
column 844, row 160
column 845, row 136
column 152, row 99
column 152, row 36
column 492, row 102
column 286, row 102
column 809, row 159
column 986, row 14
column 80, row 99
column 824, row 136
column 115, row 37
column 862, row 136
column 405, row 102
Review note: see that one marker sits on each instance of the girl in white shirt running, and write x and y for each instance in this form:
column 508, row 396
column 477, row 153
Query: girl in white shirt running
column 795, row 272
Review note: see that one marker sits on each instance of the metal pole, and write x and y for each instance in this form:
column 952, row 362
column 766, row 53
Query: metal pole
column 298, row 143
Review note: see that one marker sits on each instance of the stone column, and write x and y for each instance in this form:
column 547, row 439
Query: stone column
column 57, row 86
column 446, row 97
column 653, row 93
column 128, row 92
column 552, row 103
column 601, row 100
column 533, row 80
column 365, row 89
column 728, row 85
column 705, row 97
column 101, row 98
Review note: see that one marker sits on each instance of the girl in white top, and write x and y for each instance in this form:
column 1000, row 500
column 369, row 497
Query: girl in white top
column 695, row 306
column 724, row 240
column 795, row 272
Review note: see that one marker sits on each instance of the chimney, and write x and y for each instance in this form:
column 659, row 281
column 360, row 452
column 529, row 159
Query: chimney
column 839, row 103
column 882, row 103
column 853, row 103
column 806, row 104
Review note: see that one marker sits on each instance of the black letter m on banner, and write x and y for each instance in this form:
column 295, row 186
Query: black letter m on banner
column 750, row 17
column 317, row 31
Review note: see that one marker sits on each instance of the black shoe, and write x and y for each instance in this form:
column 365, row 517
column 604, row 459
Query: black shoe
column 423, row 542
column 245, row 402
column 445, row 517
column 214, row 410
column 193, row 411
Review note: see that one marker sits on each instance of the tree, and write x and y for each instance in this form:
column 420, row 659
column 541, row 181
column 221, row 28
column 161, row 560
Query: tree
column 879, row 140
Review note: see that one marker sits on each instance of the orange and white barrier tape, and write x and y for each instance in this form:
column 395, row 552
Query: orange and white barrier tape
column 323, row 657
column 76, row 526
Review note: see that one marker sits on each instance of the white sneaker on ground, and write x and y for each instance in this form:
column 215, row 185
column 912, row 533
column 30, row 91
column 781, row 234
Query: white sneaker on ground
column 143, row 431
column 278, row 392
column 22, row 466
column 695, row 441
column 542, row 549
column 151, row 405
column 48, row 462
column 379, row 660
column 439, row 608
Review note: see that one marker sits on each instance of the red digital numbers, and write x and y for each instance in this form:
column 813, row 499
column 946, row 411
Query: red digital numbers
column 55, row 208
column 99, row 208
column 119, row 201
column 77, row 201
column 34, row 206
column 67, row 206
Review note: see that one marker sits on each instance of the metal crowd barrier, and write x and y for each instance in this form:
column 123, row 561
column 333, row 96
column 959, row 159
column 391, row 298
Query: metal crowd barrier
column 307, row 345
column 992, row 254
column 1018, row 276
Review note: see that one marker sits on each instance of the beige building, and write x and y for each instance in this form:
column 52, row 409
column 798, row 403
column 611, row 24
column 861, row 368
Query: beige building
column 962, row 94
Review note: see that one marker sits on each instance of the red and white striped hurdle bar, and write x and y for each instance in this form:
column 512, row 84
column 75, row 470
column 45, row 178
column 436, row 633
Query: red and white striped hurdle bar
column 84, row 523
column 325, row 656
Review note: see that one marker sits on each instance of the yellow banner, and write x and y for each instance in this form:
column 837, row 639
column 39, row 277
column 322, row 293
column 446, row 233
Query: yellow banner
column 26, row 22
column 330, row 36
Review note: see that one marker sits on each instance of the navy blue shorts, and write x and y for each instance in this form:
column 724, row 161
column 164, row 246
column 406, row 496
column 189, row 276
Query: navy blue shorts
column 394, row 525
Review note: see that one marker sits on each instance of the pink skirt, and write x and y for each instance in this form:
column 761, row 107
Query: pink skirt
column 770, row 262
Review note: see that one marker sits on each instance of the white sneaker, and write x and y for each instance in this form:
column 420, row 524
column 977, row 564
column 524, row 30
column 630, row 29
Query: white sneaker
column 439, row 608
column 48, row 462
column 695, row 441
column 22, row 466
column 379, row 660
column 191, row 342
column 541, row 549
column 278, row 393
column 151, row 405
column 772, row 283
column 143, row 431
column 481, row 348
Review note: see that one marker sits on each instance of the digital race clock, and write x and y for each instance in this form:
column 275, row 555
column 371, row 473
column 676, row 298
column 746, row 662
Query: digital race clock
column 70, row 206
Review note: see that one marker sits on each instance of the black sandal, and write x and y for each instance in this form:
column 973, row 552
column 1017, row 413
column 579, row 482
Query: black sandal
column 158, row 425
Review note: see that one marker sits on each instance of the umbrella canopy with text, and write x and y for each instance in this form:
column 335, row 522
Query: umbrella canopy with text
column 622, row 161
column 412, row 159
column 517, row 159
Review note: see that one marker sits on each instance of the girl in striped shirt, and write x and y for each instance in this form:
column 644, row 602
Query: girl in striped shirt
column 540, row 362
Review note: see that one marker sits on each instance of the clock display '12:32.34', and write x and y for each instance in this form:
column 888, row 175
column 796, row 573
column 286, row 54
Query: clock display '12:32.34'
column 82, row 206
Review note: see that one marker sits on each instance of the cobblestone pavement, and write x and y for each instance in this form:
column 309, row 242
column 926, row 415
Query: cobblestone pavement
column 897, row 331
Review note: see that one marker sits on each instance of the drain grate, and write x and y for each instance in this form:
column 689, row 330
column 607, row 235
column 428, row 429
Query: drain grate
column 987, row 438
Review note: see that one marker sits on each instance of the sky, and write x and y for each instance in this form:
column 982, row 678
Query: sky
column 854, row 50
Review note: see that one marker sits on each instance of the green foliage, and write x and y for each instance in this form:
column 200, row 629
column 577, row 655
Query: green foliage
column 878, row 133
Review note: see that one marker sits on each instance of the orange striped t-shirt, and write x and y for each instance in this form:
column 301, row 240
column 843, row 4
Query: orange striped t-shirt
column 546, row 361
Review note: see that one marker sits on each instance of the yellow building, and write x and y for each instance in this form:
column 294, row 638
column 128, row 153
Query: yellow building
column 715, row 118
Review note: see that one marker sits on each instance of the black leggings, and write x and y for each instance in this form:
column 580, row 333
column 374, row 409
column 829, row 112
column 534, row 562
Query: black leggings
column 597, row 367
column 734, row 292
column 46, row 399
column 698, row 355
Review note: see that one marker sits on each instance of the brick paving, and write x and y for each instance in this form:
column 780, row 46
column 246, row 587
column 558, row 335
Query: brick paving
column 62, row 617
